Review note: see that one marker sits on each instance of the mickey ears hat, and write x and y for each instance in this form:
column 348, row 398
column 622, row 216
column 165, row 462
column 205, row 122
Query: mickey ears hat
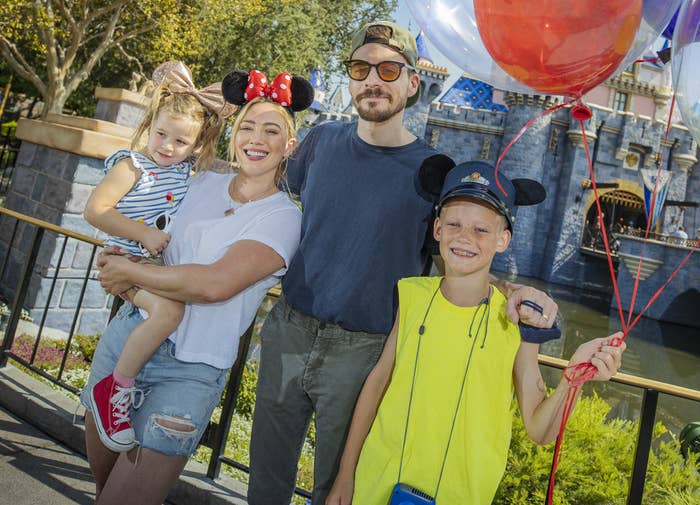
column 477, row 179
column 292, row 92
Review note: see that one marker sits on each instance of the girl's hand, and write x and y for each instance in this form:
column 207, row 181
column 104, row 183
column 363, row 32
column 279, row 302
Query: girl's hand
column 154, row 240
column 602, row 354
column 341, row 492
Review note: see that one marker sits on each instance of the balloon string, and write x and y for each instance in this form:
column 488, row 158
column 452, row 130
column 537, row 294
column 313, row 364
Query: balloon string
column 568, row 407
column 581, row 373
column 608, row 254
column 652, row 204
column 520, row 134
column 668, row 281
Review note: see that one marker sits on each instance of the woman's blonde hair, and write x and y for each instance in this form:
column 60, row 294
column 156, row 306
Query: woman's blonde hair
column 182, row 105
column 289, row 124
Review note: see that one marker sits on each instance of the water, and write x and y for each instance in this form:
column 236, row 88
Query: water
column 656, row 350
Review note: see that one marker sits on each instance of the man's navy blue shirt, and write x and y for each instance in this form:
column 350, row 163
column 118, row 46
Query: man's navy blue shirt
column 365, row 220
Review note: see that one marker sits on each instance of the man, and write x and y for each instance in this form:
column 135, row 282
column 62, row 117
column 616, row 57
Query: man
column 366, row 217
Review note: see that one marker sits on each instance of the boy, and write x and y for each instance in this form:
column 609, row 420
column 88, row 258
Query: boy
column 438, row 402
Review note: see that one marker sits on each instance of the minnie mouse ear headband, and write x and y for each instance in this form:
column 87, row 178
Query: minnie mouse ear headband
column 178, row 79
column 477, row 179
column 290, row 91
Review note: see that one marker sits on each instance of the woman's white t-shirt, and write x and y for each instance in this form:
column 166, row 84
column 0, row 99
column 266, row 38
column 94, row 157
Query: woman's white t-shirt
column 201, row 234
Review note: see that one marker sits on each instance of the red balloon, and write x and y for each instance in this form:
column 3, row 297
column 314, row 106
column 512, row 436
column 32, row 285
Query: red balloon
column 559, row 47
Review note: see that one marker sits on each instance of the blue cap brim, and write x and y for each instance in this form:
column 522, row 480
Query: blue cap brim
column 479, row 193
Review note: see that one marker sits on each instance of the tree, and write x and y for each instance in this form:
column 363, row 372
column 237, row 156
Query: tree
column 288, row 35
column 55, row 45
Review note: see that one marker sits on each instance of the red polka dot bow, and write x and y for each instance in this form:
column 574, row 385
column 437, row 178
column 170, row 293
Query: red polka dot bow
column 280, row 90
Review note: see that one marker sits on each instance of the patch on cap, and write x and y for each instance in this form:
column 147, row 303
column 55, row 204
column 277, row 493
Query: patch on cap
column 476, row 178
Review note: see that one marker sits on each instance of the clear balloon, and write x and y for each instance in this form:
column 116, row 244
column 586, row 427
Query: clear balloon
column 657, row 15
column 451, row 27
column 668, row 31
column 685, row 60
column 558, row 46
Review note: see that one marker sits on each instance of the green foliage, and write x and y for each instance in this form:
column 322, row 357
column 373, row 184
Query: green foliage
column 596, row 463
column 86, row 344
column 49, row 353
column 246, row 393
column 9, row 127
column 211, row 36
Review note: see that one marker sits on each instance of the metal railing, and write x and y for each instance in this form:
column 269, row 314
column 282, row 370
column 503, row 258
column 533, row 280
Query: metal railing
column 9, row 149
column 217, row 433
column 41, row 229
column 659, row 237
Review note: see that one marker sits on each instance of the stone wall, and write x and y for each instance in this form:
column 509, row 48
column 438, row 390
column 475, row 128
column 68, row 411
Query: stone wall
column 59, row 164
column 679, row 300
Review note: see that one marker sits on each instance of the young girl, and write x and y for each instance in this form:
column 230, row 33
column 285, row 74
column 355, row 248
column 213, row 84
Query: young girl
column 135, row 204
column 234, row 236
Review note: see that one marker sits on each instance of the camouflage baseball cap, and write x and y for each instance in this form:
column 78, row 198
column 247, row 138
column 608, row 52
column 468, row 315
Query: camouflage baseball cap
column 390, row 34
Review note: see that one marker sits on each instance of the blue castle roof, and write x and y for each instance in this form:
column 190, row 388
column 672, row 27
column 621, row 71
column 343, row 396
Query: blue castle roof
column 467, row 92
column 316, row 80
column 422, row 47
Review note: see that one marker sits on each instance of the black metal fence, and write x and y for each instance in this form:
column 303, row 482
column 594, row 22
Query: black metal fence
column 217, row 433
column 9, row 148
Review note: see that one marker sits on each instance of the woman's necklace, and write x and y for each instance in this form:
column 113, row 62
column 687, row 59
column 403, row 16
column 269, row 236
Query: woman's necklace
column 237, row 198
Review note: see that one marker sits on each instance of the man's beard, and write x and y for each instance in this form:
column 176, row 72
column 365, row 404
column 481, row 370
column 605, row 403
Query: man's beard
column 376, row 114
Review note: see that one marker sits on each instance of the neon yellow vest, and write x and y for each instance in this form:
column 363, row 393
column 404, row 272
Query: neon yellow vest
column 477, row 454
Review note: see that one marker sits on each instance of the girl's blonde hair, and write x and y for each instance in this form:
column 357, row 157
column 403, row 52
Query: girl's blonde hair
column 183, row 105
column 289, row 124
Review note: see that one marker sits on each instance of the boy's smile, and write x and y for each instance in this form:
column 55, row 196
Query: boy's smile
column 470, row 234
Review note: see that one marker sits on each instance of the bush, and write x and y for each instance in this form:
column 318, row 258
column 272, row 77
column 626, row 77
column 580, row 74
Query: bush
column 245, row 402
column 49, row 353
column 596, row 463
column 85, row 345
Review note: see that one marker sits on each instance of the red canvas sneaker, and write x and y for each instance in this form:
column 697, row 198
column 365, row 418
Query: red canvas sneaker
column 110, row 408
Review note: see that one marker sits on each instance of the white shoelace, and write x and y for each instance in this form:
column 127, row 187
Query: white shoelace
column 122, row 401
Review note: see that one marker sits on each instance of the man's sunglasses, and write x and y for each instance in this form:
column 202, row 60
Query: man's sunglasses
column 388, row 71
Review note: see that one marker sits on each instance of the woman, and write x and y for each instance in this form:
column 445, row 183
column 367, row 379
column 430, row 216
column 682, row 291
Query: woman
column 233, row 238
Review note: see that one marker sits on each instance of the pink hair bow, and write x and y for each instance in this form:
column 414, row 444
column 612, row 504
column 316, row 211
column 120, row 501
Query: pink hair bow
column 280, row 90
column 178, row 78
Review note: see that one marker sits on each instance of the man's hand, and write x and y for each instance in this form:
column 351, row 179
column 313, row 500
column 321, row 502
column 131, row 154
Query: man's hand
column 524, row 312
column 602, row 353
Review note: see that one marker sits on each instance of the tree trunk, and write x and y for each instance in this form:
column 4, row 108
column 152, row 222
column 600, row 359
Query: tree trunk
column 54, row 101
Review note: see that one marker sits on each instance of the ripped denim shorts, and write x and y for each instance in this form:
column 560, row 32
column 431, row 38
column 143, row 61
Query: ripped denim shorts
column 175, row 391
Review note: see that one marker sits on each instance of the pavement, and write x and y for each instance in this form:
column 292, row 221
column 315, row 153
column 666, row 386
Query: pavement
column 34, row 468
column 42, row 452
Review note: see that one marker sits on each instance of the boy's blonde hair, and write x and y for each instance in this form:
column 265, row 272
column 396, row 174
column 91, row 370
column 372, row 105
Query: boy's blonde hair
column 288, row 122
column 182, row 105
column 503, row 221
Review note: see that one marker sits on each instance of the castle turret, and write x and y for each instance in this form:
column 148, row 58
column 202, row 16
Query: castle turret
column 525, row 159
column 432, row 79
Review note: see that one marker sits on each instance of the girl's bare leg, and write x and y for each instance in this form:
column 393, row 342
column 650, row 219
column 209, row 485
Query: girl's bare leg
column 163, row 317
